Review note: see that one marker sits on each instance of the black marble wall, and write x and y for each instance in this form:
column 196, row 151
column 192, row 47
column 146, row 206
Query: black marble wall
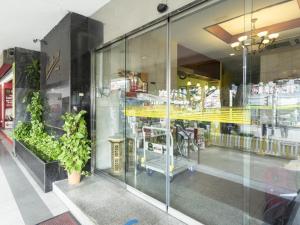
column 56, row 72
column 22, row 58
column 66, row 67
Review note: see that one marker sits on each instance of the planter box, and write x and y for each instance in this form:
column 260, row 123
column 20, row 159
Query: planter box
column 43, row 173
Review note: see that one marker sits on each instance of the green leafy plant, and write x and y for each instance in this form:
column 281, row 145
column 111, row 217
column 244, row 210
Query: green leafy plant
column 75, row 145
column 32, row 72
column 33, row 134
column 22, row 130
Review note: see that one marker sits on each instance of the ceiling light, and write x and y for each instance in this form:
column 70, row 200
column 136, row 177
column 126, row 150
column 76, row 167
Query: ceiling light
column 231, row 54
column 242, row 38
column 273, row 36
column 256, row 42
column 262, row 34
column 198, row 85
column 189, row 83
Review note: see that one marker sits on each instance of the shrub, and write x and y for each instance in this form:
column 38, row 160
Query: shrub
column 33, row 134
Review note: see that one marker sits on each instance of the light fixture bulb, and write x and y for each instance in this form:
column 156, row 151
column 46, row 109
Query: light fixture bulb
column 189, row 83
column 262, row 34
column 266, row 41
column 231, row 54
column 198, row 85
column 242, row 38
column 235, row 44
column 274, row 35
column 247, row 42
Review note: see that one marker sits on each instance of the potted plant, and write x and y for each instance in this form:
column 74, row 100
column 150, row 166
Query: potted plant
column 75, row 146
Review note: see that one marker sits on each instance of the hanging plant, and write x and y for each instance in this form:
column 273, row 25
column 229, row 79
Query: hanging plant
column 32, row 72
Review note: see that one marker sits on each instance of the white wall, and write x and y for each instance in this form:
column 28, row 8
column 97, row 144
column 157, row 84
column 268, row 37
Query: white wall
column 122, row 16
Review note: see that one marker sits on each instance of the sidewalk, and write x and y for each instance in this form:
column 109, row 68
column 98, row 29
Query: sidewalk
column 21, row 200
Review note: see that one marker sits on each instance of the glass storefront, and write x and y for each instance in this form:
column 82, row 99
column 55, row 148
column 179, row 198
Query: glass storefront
column 201, row 111
column 110, row 103
column 145, row 77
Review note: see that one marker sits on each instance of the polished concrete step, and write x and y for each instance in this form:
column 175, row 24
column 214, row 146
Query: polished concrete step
column 100, row 200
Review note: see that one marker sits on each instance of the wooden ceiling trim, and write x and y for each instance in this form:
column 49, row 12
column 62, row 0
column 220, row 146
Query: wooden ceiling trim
column 220, row 33
column 275, row 28
column 225, row 36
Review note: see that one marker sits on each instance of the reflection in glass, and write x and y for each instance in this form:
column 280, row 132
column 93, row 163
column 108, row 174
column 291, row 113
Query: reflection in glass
column 274, row 105
column 110, row 99
column 145, row 122
column 207, row 89
column 236, row 129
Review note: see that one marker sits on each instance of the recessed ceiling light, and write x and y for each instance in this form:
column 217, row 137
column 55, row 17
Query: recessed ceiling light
column 231, row 54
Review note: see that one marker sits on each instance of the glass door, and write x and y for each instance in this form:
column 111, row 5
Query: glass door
column 146, row 131
column 208, row 115
column 110, row 106
column 274, row 97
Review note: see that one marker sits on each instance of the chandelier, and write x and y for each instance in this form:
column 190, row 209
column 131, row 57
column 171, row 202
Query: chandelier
column 257, row 41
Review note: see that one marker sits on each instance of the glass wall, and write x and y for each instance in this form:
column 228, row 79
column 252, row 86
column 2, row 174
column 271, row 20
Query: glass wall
column 145, row 132
column 110, row 103
column 202, row 111
column 211, row 101
column 273, row 100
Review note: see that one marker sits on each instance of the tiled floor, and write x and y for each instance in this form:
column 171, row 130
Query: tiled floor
column 21, row 200
column 263, row 171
